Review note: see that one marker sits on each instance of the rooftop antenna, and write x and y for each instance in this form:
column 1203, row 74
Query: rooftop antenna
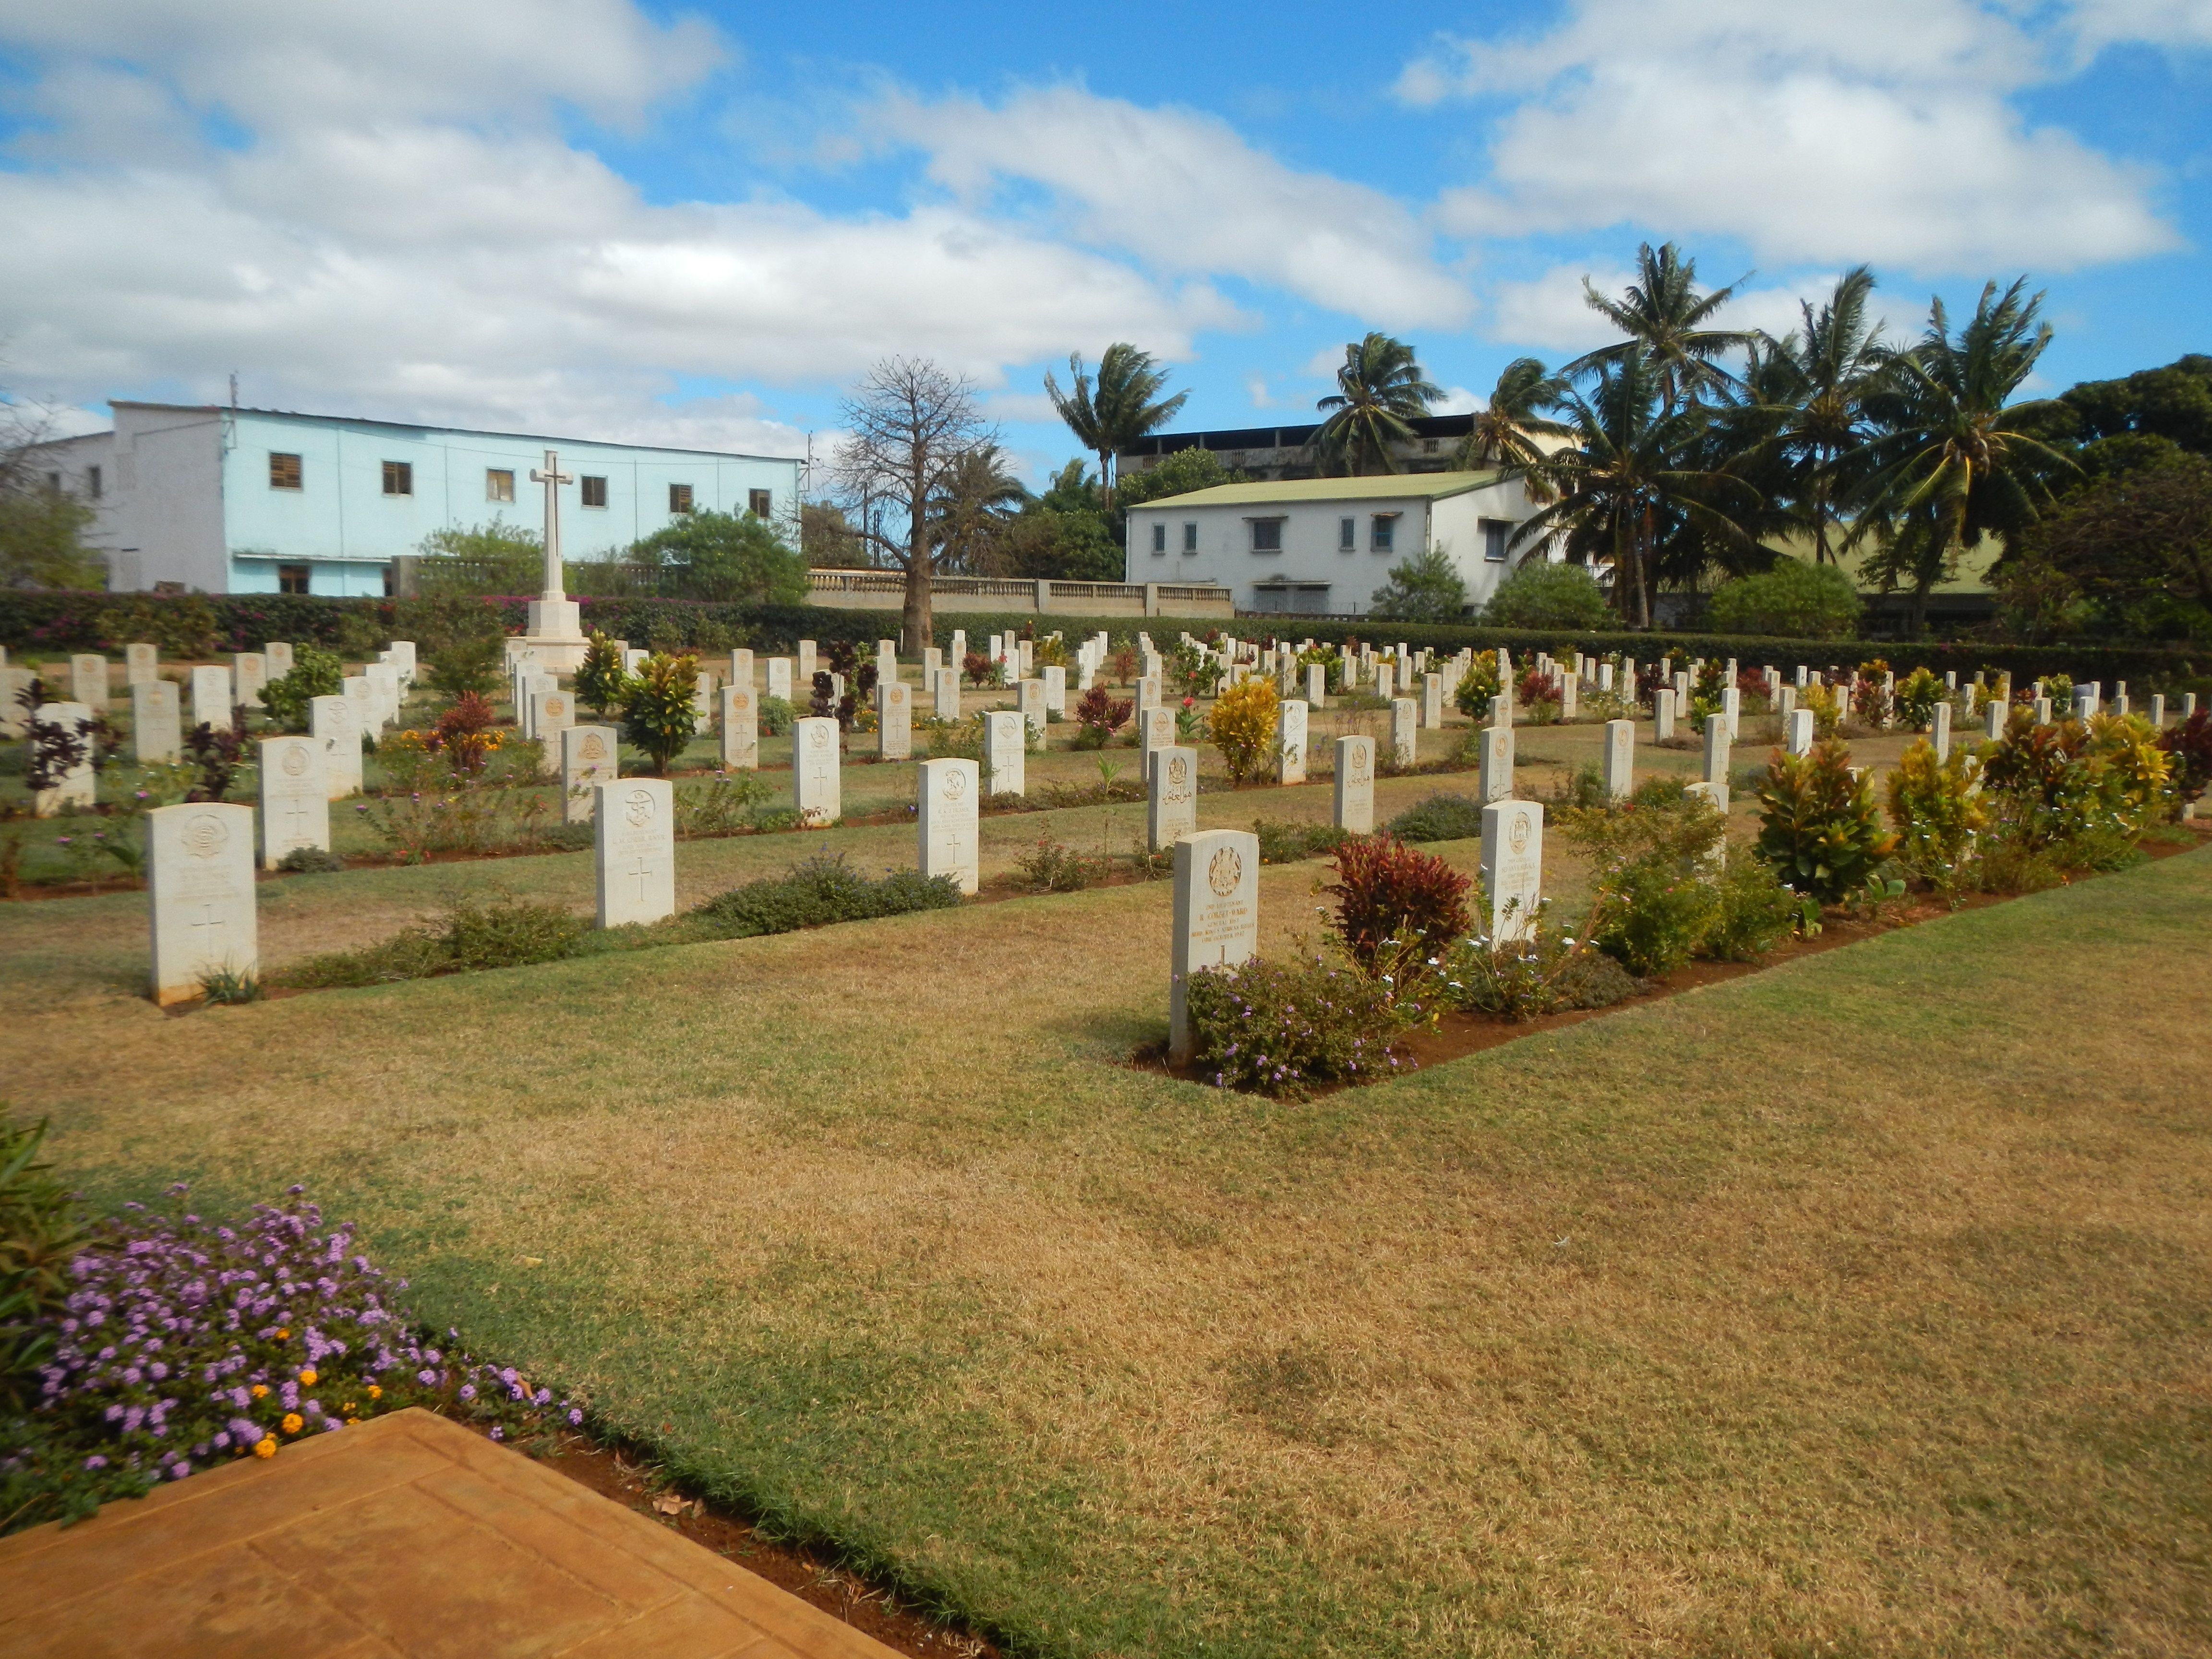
column 234, row 389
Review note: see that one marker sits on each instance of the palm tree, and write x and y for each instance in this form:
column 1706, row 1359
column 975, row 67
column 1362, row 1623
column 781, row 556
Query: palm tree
column 978, row 496
column 1664, row 316
column 1956, row 463
column 1504, row 433
column 1820, row 384
column 1621, row 485
column 1379, row 390
column 1123, row 407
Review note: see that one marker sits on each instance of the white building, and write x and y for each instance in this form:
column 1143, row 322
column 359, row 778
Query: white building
column 1324, row 545
column 258, row 500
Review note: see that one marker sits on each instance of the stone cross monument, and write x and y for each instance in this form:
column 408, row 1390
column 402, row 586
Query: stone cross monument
column 555, row 635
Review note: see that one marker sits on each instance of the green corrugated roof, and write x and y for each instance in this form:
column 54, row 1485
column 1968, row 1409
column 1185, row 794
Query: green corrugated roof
column 1430, row 486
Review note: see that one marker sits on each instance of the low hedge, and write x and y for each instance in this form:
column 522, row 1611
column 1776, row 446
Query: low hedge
column 207, row 624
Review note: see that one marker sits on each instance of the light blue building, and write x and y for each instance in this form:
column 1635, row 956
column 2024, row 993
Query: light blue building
column 258, row 500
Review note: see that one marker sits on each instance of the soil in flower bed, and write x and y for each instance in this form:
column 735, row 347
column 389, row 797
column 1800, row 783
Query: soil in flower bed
column 871, row 1609
column 1457, row 1035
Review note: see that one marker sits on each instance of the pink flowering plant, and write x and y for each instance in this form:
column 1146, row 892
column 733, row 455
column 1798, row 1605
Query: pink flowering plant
column 183, row 1344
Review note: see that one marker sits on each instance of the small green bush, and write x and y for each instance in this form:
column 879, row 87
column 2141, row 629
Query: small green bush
column 1282, row 1028
column 822, row 891
column 775, row 716
column 1550, row 974
column 470, row 667
column 1793, row 600
column 231, row 986
column 315, row 672
column 659, row 718
column 1540, row 594
column 1756, row 913
column 1053, row 866
column 1288, row 843
column 601, row 682
column 1819, row 825
column 1440, row 817
column 510, row 932
column 41, row 1228
column 311, row 861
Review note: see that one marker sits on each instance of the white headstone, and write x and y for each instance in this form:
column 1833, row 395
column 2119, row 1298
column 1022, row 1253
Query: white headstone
column 816, row 771
column 1993, row 720
column 1405, row 738
column 590, row 756
column 1032, row 696
column 894, row 720
column 1512, row 867
column 1620, row 758
column 211, row 697
column 2158, row 711
column 1432, row 700
column 1354, row 794
column 1005, row 739
column 740, row 727
column 1155, row 730
column 1940, row 731
column 1732, row 710
column 334, row 722
column 249, row 672
column 1172, row 797
column 1662, row 714
column 947, row 707
column 199, row 891
column 2042, row 711
column 157, row 726
column 1217, row 917
column 141, row 663
column 552, row 712
column 1385, row 680
column 1800, row 730
column 277, row 655
column 779, row 677
column 947, row 800
column 1717, row 749
column 635, row 850
column 1570, row 696
column 1317, row 684
column 88, row 681
column 807, row 666
column 296, row 798
column 1496, row 770
column 383, row 689
column 1291, row 743
column 79, row 785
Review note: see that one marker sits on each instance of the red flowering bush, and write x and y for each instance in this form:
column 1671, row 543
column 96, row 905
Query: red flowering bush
column 1389, row 895
column 463, row 734
column 1101, row 715
column 2190, row 746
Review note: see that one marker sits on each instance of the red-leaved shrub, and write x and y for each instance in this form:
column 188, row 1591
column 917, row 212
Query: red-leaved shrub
column 1389, row 893
column 2190, row 746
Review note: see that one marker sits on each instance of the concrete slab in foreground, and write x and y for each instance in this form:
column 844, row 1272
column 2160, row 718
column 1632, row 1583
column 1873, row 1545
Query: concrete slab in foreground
column 408, row 1535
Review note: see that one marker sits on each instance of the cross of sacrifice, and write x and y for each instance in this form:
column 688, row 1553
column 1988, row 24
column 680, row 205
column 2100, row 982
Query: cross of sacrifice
column 644, row 874
column 552, row 477
column 204, row 933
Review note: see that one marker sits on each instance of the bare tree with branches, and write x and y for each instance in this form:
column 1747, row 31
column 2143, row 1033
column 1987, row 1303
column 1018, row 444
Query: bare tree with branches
column 911, row 424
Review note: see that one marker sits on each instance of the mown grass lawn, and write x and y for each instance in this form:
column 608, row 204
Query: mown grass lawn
column 1860, row 1306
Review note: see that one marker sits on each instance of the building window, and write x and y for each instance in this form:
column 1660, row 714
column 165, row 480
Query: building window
column 758, row 501
column 679, row 498
column 1159, row 539
column 595, row 490
column 1495, row 533
column 1347, row 535
column 92, row 483
column 1266, row 535
column 54, row 482
column 498, row 483
column 1190, row 536
column 284, row 471
column 399, row 478
column 292, row 578
column 1383, row 537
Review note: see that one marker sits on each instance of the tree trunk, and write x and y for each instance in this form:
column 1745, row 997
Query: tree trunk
column 916, row 625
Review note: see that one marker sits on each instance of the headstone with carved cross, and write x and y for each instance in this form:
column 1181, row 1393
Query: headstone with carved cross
column 588, row 759
column 635, row 850
column 200, row 888
column 946, row 806
column 295, row 798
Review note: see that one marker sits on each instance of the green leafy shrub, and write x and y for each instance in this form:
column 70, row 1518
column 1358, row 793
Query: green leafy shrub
column 1756, row 912
column 1551, row 973
column 315, row 672
column 1052, row 867
column 658, row 718
column 730, row 805
column 1283, row 1028
column 818, row 892
column 1540, row 594
column 1819, row 825
column 1651, row 869
column 1392, row 896
column 1918, row 694
column 1440, row 817
column 1937, row 810
column 1478, row 687
column 1288, row 843
column 40, row 1230
column 601, row 682
column 1792, row 600
column 470, row 667
column 311, row 861
column 231, row 986
column 775, row 716
column 1242, row 727
column 510, row 932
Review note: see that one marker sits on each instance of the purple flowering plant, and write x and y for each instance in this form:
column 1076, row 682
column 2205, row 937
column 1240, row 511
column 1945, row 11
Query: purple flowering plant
column 184, row 1343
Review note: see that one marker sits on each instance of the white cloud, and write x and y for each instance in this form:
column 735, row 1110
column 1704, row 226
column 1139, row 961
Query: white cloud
column 2182, row 23
column 1185, row 192
column 1458, row 400
column 1550, row 314
column 1879, row 131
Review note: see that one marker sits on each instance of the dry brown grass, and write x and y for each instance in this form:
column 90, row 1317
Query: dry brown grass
column 1859, row 1307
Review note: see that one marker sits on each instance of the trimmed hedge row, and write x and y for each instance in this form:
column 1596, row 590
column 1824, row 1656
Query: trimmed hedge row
column 205, row 625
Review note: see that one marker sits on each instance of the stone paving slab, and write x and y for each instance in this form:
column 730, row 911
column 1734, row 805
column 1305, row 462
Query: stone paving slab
column 405, row 1536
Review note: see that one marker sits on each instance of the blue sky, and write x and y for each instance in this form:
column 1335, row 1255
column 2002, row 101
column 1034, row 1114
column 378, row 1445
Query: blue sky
column 698, row 225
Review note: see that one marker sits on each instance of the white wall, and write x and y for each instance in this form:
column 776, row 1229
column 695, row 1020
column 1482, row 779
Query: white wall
column 1312, row 535
column 167, row 495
